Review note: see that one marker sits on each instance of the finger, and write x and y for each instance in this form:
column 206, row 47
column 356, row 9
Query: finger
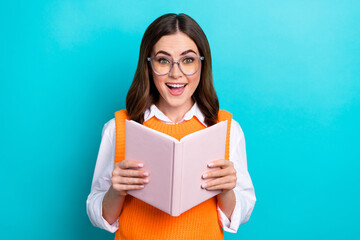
column 219, row 181
column 121, row 187
column 226, row 186
column 132, row 173
column 219, row 173
column 219, row 163
column 128, row 172
column 125, row 164
column 129, row 181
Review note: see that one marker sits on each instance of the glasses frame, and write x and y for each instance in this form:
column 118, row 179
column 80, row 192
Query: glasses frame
column 150, row 59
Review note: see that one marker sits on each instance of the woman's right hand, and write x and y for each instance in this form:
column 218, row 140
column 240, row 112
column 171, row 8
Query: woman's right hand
column 127, row 175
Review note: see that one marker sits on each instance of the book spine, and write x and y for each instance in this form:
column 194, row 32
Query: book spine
column 177, row 179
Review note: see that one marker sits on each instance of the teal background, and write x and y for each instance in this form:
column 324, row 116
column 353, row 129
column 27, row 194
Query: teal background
column 289, row 71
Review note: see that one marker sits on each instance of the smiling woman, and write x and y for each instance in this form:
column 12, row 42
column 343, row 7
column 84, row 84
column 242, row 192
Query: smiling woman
column 191, row 41
column 175, row 88
column 172, row 92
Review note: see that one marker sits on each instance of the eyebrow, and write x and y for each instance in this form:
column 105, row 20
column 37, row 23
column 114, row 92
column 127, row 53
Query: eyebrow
column 168, row 54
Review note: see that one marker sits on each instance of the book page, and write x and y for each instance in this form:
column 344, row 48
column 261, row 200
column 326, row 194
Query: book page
column 198, row 150
column 155, row 151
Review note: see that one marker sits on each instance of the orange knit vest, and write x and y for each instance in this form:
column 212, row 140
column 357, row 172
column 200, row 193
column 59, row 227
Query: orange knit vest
column 139, row 220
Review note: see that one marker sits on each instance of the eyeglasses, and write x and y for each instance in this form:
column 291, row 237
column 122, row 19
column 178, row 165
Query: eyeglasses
column 188, row 65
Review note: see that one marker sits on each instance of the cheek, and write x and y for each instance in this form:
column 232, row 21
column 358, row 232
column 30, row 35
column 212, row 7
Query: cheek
column 158, row 81
column 195, row 80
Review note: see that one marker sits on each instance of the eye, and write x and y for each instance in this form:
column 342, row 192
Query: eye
column 162, row 60
column 188, row 60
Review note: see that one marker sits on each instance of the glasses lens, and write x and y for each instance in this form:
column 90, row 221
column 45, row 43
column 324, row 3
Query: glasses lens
column 161, row 65
column 189, row 65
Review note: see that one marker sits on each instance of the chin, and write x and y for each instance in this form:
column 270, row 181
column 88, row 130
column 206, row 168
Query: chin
column 177, row 103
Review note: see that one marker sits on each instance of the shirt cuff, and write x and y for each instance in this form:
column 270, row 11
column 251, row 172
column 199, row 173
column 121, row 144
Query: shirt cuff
column 231, row 225
column 100, row 221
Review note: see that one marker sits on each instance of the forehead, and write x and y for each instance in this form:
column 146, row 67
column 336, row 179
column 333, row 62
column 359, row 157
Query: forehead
column 175, row 44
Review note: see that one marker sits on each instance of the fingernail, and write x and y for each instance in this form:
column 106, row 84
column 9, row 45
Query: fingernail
column 141, row 186
column 204, row 185
column 210, row 164
column 145, row 180
column 204, row 175
column 140, row 164
column 145, row 174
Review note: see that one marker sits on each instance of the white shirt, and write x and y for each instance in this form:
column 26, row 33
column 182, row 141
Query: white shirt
column 244, row 190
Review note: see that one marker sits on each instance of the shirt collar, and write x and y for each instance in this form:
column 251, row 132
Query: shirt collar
column 155, row 111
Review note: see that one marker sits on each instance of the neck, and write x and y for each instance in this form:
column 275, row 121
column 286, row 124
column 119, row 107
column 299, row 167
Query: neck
column 175, row 114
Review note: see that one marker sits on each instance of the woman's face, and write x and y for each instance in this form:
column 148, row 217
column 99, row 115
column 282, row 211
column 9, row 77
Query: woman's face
column 176, row 88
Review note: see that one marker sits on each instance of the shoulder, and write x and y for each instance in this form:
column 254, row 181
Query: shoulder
column 109, row 128
column 224, row 115
column 236, row 132
column 121, row 114
column 236, row 126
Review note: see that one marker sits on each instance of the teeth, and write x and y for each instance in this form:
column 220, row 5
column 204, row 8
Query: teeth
column 176, row 85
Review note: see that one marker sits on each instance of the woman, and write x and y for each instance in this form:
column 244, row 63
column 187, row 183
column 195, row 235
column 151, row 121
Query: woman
column 172, row 92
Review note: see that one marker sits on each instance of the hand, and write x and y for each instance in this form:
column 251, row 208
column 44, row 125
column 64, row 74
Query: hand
column 225, row 177
column 127, row 176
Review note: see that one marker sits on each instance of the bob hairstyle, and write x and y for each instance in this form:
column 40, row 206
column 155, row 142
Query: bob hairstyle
column 143, row 93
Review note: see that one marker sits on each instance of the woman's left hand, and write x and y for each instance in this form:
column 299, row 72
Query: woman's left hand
column 224, row 178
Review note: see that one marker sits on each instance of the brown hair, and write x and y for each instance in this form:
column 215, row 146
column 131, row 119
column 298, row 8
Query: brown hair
column 143, row 93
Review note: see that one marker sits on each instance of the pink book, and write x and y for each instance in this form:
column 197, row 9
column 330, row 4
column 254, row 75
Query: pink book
column 175, row 166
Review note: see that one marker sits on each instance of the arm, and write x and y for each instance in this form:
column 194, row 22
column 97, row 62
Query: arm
column 105, row 201
column 126, row 176
column 226, row 202
column 102, row 178
column 235, row 205
column 112, row 205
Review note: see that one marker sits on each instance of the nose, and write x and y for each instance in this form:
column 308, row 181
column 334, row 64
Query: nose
column 175, row 71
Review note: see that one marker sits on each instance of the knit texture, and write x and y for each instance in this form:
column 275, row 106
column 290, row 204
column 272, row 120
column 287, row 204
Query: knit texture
column 139, row 220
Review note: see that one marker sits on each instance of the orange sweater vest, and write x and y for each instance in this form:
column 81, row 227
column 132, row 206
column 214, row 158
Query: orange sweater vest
column 139, row 220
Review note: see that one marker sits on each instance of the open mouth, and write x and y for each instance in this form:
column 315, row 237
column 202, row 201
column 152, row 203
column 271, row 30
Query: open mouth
column 172, row 86
column 176, row 88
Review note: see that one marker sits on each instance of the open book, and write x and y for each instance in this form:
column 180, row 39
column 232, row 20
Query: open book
column 175, row 167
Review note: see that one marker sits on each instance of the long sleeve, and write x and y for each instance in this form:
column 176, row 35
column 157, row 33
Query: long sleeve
column 101, row 179
column 244, row 190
